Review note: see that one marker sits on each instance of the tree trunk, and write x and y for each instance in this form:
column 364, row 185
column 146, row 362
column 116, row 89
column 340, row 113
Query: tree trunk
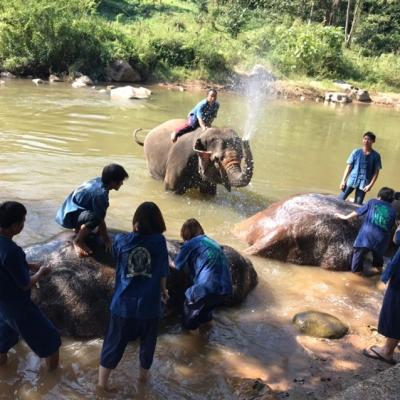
column 331, row 15
column 356, row 19
column 346, row 26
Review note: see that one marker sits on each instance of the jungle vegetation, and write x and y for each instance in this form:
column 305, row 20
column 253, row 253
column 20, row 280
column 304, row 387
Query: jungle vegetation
column 356, row 40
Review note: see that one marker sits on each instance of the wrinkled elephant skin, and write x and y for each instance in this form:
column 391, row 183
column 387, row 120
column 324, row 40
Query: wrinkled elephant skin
column 76, row 295
column 303, row 230
column 199, row 159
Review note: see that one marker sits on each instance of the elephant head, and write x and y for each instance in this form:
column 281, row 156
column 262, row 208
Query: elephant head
column 221, row 152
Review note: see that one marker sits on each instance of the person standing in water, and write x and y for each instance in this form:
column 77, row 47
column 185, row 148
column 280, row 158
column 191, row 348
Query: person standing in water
column 19, row 315
column 140, row 287
column 202, row 115
column 85, row 208
column 362, row 170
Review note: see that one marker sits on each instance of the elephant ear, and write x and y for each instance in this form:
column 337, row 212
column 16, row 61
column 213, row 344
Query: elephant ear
column 201, row 151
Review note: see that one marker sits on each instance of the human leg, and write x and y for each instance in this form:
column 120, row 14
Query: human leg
column 383, row 353
column 8, row 338
column 190, row 125
column 357, row 261
column 377, row 261
column 345, row 192
column 87, row 222
column 359, row 196
column 148, row 341
column 114, row 345
column 192, row 314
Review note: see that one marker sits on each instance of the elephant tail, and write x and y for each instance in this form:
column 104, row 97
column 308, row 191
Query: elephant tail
column 134, row 134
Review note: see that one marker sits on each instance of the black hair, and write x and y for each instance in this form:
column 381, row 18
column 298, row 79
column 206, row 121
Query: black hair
column 386, row 194
column 113, row 173
column 213, row 91
column 11, row 212
column 191, row 228
column 371, row 135
column 148, row 219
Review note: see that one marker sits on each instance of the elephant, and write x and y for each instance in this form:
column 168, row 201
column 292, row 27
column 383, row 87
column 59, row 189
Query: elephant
column 199, row 159
column 303, row 230
column 77, row 293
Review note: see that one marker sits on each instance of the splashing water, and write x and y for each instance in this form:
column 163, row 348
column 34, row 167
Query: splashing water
column 257, row 85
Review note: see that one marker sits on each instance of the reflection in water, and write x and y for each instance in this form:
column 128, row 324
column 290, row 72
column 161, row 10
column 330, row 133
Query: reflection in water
column 53, row 138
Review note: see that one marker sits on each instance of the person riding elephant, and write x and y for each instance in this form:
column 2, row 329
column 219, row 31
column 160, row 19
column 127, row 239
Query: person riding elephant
column 199, row 159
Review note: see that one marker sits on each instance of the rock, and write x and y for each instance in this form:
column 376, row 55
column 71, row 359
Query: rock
column 77, row 293
column 319, row 324
column 335, row 97
column 361, row 95
column 121, row 71
column 54, row 78
column 130, row 92
column 38, row 81
column 2, row 82
column 6, row 74
column 251, row 389
column 303, row 230
column 82, row 81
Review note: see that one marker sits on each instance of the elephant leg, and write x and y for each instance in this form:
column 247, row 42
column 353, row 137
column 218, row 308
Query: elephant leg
column 208, row 188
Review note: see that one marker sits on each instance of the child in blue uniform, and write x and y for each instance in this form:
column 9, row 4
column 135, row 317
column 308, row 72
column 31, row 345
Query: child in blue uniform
column 202, row 115
column 85, row 208
column 208, row 267
column 19, row 316
column 140, row 286
column 362, row 170
column 375, row 232
column 389, row 318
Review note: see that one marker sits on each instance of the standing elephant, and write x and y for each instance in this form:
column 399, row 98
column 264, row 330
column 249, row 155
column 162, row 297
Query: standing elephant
column 199, row 159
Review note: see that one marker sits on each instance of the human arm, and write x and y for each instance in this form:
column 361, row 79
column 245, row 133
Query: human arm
column 346, row 217
column 396, row 237
column 104, row 234
column 371, row 184
column 164, row 290
column 42, row 271
column 346, row 173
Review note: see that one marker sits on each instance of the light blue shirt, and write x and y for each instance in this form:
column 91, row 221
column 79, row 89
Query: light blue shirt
column 206, row 111
column 363, row 169
column 90, row 196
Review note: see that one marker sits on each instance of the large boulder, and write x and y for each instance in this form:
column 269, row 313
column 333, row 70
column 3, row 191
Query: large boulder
column 82, row 81
column 320, row 324
column 130, row 92
column 335, row 97
column 303, row 230
column 77, row 293
column 122, row 71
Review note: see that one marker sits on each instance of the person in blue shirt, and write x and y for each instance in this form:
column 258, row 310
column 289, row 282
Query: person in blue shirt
column 389, row 321
column 202, row 115
column 205, row 261
column 375, row 232
column 19, row 316
column 140, row 287
column 85, row 208
column 362, row 170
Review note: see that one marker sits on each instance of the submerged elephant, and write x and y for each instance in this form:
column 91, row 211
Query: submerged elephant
column 77, row 293
column 303, row 230
column 199, row 159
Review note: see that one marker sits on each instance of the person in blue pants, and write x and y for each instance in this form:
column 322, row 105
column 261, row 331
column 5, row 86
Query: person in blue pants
column 205, row 261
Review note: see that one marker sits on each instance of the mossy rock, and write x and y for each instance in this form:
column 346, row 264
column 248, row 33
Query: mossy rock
column 320, row 324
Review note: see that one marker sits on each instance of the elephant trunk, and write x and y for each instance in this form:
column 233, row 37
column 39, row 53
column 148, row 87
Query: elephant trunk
column 237, row 176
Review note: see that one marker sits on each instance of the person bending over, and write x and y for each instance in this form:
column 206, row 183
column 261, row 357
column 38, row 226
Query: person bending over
column 362, row 170
column 207, row 265
column 389, row 322
column 140, row 286
column 375, row 232
column 19, row 316
column 85, row 208
column 202, row 115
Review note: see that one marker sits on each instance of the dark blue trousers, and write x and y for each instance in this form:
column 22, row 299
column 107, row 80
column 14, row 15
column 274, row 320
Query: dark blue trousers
column 359, row 253
column 359, row 196
column 120, row 332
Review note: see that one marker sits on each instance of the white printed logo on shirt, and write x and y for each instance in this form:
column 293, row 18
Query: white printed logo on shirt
column 139, row 263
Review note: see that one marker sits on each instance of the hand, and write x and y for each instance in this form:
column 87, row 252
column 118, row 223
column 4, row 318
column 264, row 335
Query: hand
column 367, row 188
column 341, row 216
column 164, row 296
column 342, row 185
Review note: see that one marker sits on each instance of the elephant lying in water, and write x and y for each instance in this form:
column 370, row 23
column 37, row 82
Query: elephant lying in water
column 77, row 293
column 303, row 230
column 199, row 159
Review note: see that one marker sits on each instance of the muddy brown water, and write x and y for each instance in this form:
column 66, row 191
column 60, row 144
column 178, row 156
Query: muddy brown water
column 54, row 137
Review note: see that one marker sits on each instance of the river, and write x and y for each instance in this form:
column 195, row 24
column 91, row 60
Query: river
column 54, row 137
